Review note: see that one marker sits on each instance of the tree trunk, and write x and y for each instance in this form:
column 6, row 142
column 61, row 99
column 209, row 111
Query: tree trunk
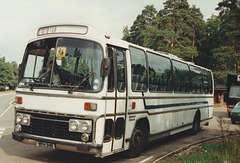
column 173, row 28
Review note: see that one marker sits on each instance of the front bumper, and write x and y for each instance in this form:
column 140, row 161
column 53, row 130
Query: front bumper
column 69, row 145
column 235, row 118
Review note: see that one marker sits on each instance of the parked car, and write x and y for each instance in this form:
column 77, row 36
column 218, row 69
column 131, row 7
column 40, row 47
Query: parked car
column 235, row 113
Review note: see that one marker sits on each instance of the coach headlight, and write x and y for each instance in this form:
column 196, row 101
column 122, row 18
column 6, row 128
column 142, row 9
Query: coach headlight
column 18, row 117
column 73, row 125
column 76, row 125
column 23, row 119
column 26, row 120
column 86, row 126
column 18, row 128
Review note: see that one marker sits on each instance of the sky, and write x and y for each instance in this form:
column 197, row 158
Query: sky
column 19, row 18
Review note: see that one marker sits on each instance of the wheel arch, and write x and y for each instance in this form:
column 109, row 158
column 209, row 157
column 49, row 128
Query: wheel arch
column 140, row 130
column 143, row 121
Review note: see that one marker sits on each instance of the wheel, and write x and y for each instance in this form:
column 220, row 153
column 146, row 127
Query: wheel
column 233, row 121
column 196, row 124
column 229, row 114
column 138, row 141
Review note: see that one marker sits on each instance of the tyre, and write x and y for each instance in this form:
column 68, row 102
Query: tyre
column 229, row 114
column 196, row 124
column 138, row 141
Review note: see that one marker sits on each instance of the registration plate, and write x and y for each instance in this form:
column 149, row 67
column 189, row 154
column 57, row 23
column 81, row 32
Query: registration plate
column 43, row 144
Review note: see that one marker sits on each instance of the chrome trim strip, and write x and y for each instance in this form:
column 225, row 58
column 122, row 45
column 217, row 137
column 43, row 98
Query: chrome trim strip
column 163, row 112
column 168, row 97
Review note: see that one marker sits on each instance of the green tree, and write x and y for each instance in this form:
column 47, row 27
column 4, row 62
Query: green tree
column 230, row 28
column 177, row 29
column 181, row 28
column 223, row 63
column 220, row 50
column 211, row 40
column 198, row 27
column 8, row 74
column 137, row 32
column 3, row 74
column 126, row 34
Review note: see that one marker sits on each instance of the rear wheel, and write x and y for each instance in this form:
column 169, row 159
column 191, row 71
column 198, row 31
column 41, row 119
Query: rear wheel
column 196, row 124
column 138, row 141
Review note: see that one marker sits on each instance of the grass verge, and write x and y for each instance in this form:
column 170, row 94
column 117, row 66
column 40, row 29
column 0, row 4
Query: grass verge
column 225, row 151
column 214, row 151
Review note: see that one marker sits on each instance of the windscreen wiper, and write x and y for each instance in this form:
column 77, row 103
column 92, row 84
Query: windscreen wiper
column 33, row 84
column 37, row 82
column 79, row 85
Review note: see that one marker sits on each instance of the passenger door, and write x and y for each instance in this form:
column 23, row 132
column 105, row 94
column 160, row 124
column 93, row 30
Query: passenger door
column 116, row 101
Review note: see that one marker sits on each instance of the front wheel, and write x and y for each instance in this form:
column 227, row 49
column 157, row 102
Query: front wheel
column 138, row 141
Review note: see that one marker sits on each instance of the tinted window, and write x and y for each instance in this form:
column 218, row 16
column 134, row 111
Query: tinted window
column 181, row 77
column 120, row 70
column 111, row 75
column 207, row 82
column 119, row 126
column 139, row 70
column 160, row 73
column 108, row 130
column 196, row 79
column 234, row 92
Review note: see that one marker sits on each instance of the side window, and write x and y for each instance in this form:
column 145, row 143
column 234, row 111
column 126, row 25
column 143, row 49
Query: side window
column 120, row 70
column 160, row 73
column 111, row 75
column 196, row 79
column 119, row 128
column 210, row 82
column 181, row 77
column 139, row 69
column 108, row 130
column 207, row 82
column 34, row 66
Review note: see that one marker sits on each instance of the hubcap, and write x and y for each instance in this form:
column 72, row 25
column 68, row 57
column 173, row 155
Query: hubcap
column 137, row 139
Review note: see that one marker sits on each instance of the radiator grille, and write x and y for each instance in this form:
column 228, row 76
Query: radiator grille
column 51, row 126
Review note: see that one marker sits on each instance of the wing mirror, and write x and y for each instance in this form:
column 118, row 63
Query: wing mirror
column 105, row 67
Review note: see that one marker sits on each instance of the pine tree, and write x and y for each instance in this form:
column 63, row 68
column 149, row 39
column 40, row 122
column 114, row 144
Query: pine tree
column 198, row 29
column 178, row 25
column 211, row 40
column 126, row 34
column 230, row 27
column 138, row 29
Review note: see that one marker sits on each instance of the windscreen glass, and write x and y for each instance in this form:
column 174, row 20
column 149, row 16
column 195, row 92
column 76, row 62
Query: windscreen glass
column 62, row 63
column 234, row 92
